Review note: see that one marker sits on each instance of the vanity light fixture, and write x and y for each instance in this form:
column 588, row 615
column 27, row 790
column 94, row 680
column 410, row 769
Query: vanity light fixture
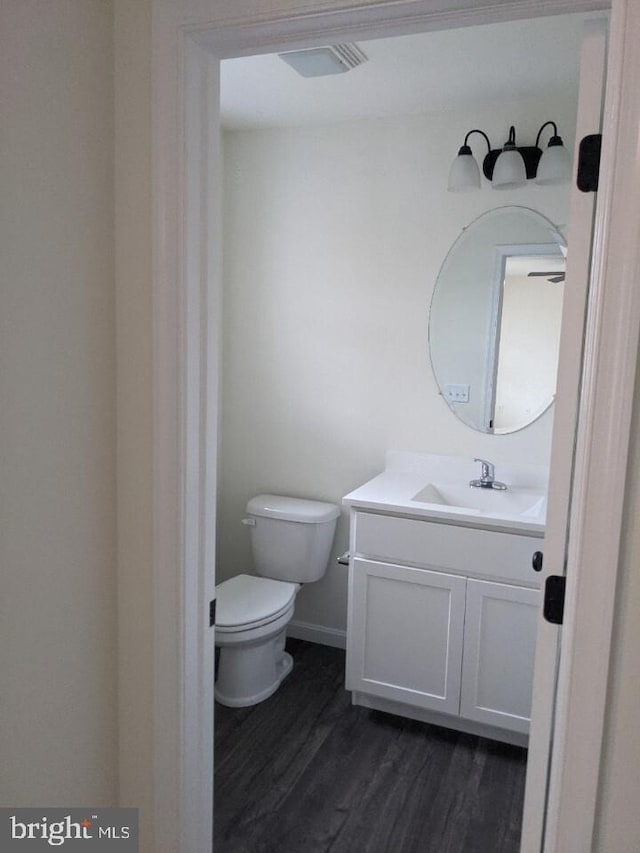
column 512, row 165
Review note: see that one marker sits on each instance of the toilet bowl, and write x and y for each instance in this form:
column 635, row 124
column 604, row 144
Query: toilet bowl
column 252, row 616
column 291, row 540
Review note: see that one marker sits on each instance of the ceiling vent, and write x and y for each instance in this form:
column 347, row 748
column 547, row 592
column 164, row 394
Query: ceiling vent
column 321, row 61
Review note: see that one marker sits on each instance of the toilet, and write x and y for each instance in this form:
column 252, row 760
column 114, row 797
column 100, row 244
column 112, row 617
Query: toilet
column 291, row 541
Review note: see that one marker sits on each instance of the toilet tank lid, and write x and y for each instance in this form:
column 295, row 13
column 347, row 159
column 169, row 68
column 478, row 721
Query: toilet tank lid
column 292, row 509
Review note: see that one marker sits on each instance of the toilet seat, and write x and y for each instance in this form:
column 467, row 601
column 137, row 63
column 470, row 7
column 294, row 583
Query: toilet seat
column 245, row 602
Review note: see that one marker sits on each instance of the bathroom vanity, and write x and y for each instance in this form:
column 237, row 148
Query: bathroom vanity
column 443, row 600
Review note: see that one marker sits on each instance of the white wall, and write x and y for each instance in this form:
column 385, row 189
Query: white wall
column 57, row 416
column 333, row 241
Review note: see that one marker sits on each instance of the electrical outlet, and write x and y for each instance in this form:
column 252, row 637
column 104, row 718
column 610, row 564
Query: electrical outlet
column 457, row 393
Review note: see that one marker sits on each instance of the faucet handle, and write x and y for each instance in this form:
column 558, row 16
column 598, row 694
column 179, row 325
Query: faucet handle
column 487, row 477
column 488, row 469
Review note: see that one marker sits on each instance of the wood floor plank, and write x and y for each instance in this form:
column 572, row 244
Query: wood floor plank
column 260, row 764
column 399, row 796
column 307, row 772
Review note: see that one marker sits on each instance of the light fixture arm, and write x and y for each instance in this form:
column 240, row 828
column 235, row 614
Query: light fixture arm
column 553, row 137
column 482, row 133
column 510, row 144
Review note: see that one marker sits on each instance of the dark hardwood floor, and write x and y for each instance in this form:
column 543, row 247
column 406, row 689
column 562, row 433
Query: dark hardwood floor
column 306, row 772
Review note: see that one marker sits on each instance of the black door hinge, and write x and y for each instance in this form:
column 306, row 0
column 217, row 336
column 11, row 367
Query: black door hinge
column 553, row 607
column 212, row 613
column 589, row 163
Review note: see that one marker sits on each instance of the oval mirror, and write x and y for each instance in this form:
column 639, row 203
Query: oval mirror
column 494, row 324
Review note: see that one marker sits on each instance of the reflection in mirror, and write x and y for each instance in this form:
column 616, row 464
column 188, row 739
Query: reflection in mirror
column 494, row 326
column 529, row 308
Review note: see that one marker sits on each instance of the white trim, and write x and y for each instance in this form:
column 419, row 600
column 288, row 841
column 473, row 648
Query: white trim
column 200, row 344
column 333, row 637
column 180, row 568
column 610, row 363
column 169, row 776
column 307, row 22
column 186, row 229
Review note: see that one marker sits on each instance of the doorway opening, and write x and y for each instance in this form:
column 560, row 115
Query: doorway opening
column 304, row 308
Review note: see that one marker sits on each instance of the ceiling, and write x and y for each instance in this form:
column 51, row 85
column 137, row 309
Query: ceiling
column 409, row 75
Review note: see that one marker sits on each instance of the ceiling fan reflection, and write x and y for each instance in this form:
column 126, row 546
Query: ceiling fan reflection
column 552, row 276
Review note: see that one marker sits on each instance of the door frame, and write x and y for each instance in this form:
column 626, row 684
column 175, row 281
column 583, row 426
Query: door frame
column 188, row 39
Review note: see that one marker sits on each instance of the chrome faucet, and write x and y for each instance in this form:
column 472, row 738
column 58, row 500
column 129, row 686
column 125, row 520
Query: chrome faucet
column 487, row 474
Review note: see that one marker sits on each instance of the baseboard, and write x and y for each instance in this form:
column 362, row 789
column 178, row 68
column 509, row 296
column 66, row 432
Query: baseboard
column 317, row 634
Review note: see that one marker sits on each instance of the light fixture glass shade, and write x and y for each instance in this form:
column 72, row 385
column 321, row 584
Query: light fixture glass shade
column 509, row 171
column 464, row 174
column 554, row 166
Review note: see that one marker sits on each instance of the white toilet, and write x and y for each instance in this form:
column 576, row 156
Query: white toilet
column 291, row 539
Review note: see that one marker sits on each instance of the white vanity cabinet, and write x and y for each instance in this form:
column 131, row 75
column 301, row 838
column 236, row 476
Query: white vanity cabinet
column 442, row 622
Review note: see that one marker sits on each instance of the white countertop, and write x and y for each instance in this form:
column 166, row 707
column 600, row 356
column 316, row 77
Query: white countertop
column 407, row 474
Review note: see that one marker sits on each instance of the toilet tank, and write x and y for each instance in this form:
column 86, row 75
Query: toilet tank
column 291, row 538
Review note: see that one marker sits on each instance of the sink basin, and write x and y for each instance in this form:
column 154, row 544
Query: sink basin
column 511, row 501
column 437, row 488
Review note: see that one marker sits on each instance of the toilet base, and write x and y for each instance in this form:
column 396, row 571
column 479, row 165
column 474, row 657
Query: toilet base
column 251, row 671
column 283, row 669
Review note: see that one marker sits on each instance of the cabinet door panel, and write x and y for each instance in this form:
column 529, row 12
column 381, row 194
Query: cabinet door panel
column 499, row 650
column 405, row 634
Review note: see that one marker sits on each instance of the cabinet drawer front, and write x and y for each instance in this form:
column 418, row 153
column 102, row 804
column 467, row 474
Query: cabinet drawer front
column 505, row 556
column 405, row 634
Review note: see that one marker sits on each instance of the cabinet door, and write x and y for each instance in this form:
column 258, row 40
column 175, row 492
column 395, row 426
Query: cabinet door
column 499, row 648
column 405, row 634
